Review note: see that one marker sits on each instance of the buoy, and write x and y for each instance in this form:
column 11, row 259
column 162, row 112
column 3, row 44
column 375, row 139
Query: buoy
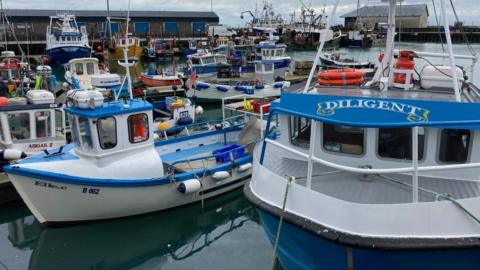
column 199, row 110
column 341, row 74
column 164, row 126
column 189, row 186
column 65, row 84
column 183, row 121
column 220, row 175
column 244, row 167
column 3, row 101
column 156, row 137
column 202, row 85
column 222, row 88
column 278, row 85
column 341, row 82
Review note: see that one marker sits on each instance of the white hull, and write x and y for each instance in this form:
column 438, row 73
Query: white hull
column 57, row 202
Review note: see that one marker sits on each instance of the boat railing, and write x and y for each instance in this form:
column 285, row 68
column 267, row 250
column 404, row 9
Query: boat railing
column 414, row 169
column 191, row 129
column 212, row 156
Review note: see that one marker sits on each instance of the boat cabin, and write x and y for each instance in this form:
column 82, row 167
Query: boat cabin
column 270, row 51
column 208, row 59
column 85, row 73
column 31, row 127
column 110, row 127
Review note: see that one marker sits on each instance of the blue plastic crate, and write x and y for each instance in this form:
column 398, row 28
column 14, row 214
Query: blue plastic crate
column 224, row 153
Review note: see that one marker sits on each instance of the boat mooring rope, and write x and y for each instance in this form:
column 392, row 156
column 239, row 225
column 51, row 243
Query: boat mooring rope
column 437, row 195
column 280, row 222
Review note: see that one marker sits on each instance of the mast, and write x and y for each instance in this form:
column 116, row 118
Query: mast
column 3, row 24
column 125, row 54
column 453, row 67
column 323, row 38
column 108, row 19
column 385, row 68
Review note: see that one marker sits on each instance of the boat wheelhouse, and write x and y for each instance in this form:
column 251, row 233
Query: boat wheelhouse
column 133, row 45
column 69, row 42
column 207, row 65
column 270, row 52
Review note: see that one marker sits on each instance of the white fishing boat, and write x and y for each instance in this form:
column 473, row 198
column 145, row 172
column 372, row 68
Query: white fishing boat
column 384, row 176
column 119, row 164
column 205, row 64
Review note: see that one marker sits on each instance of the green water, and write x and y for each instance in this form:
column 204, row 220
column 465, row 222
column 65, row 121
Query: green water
column 224, row 234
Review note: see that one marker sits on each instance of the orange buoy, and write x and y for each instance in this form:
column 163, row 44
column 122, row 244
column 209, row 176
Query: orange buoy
column 3, row 101
column 340, row 74
column 341, row 82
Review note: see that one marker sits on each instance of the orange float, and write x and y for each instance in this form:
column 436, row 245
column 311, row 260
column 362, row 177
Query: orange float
column 3, row 101
column 341, row 77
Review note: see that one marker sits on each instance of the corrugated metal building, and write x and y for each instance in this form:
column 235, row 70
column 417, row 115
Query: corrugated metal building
column 407, row 16
column 167, row 24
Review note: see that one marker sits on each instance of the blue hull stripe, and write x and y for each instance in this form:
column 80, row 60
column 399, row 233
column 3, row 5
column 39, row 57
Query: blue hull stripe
column 62, row 55
column 75, row 180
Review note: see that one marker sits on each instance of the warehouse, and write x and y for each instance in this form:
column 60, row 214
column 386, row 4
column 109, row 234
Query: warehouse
column 407, row 16
column 30, row 25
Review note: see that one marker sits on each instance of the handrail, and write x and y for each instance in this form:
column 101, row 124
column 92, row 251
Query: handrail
column 210, row 156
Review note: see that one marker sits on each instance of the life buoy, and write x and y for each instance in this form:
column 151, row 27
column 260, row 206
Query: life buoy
column 341, row 74
column 341, row 82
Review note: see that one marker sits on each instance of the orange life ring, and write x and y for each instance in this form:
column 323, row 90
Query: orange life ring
column 341, row 82
column 341, row 74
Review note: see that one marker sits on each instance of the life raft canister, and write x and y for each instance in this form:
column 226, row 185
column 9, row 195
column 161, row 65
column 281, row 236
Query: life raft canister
column 341, row 77
column 404, row 61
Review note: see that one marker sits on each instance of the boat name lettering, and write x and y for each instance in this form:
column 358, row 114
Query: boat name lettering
column 414, row 114
column 48, row 185
column 40, row 145
column 93, row 191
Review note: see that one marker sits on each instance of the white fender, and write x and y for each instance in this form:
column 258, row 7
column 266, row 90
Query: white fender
column 220, row 175
column 13, row 154
column 199, row 110
column 189, row 186
column 244, row 167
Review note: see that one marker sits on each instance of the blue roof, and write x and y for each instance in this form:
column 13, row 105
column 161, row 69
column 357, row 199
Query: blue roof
column 380, row 112
column 112, row 108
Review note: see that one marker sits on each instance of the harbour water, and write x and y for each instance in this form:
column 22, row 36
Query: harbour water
column 224, row 233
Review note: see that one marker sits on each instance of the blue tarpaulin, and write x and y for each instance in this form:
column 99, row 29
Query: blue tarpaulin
column 381, row 112
column 171, row 27
column 198, row 27
column 142, row 27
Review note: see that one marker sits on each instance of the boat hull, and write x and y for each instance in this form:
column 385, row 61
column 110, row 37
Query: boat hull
column 212, row 95
column 300, row 248
column 86, row 202
column 134, row 52
column 62, row 55
column 152, row 82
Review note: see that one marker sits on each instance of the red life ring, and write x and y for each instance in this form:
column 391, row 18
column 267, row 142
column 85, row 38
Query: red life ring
column 341, row 82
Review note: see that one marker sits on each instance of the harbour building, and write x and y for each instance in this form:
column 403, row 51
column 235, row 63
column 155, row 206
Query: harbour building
column 30, row 25
column 407, row 16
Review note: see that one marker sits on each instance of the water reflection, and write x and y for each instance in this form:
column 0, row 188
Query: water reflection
column 148, row 241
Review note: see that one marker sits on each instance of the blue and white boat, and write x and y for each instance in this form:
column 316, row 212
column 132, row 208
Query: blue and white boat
column 380, row 177
column 68, row 42
column 271, row 52
column 206, row 65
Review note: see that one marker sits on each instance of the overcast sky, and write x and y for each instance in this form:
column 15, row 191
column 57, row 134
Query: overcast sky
column 229, row 10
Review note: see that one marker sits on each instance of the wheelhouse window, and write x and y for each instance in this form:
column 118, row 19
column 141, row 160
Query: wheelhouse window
column 138, row 128
column 90, row 68
column 299, row 129
column 19, row 126
column 343, row 139
column 79, row 68
column 454, row 145
column 85, row 133
column 396, row 143
column 43, row 124
column 107, row 132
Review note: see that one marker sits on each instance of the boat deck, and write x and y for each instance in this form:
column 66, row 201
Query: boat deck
column 371, row 189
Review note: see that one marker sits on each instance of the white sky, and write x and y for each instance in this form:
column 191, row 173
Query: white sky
column 229, row 11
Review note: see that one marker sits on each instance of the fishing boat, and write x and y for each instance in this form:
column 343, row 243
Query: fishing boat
column 86, row 74
column 119, row 164
column 379, row 177
column 338, row 60
column 14, row 71
column 266, row 22
column 206, row 65
column 118, row 44
column 166, row 77
column 68, row 42
column 271, row 52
